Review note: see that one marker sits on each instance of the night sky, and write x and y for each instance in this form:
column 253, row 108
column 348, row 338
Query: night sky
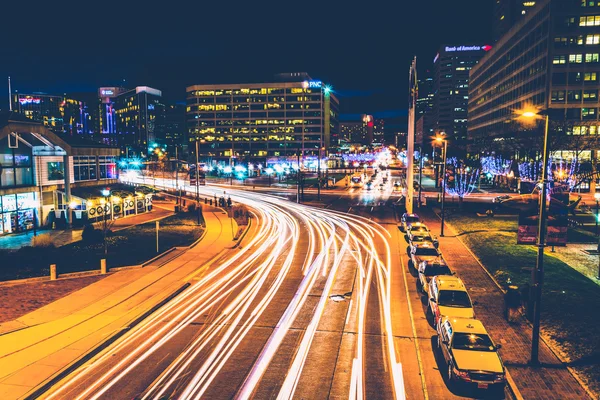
column 363, row 49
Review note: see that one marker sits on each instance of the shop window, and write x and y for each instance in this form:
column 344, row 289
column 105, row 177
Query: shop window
column 56, row 171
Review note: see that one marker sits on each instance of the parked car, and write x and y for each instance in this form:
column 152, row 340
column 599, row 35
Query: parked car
column 407, row 220
column 417, row 229
column 471, row 355
column 500, row 199
column 448, row 297
column 427, row 270
column 422, row 252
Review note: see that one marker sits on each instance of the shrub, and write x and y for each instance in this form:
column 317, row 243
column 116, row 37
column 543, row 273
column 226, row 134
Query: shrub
column 44, row 240
column 91, row 235
column 191, row 208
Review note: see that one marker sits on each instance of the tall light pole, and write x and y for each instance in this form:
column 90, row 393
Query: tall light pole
column 539, row 270
column 197, row 185
column 439, row 139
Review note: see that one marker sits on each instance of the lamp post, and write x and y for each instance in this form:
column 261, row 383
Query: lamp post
column 539, row 271
column 597, row 198
column 105, row 193
column 442, row 140
column 197, row 186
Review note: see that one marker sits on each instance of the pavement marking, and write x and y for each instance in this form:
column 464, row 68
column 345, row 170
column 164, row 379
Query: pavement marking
column 414, row 330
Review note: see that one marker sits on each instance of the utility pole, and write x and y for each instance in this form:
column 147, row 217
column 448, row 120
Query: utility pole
column 539, row 271
column 412, row 81
column 420, row 172
column 444, row 186
column 9, row 95
column 197, row 185
column 176, row 175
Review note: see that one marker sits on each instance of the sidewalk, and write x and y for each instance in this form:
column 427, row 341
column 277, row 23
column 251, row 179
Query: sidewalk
column 38, row 345
column 550, row 381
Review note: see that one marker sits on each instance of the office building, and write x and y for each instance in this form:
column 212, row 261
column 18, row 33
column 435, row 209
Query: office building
column 551, row 58
column 507, row 13
column 63, row 114
column 451, row 90
column 378, row 131
column 352, row 131
column 174, row 129
column 250, row 122
column 131, row 119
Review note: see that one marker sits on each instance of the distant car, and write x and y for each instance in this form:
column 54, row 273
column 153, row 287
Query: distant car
column 471, row 355
column 407, row 220
column 500, row 199
column 428, row 269
column 422, row 251
column 369, row 185
column 397, row 186
column 448, row 297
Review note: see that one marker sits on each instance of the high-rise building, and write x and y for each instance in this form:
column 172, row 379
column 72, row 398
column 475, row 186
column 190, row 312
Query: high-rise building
column 131, row 119
column 426, row 94
column 507, row 13
column 352, row 131
column 174, row 127
column 63, row 114
column 451, row 90
column 551, row 59
column 379, row 131
column 250, row 122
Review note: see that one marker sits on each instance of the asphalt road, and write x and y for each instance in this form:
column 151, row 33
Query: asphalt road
column 318, row 302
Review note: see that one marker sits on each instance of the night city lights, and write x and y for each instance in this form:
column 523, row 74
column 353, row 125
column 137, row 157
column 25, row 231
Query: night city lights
column 247, row 200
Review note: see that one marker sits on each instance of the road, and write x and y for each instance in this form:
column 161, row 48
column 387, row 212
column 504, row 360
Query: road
column 316, row 303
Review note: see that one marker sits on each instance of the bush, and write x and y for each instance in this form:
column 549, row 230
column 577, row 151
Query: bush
column 44, row 240
column 91, row 235
column 191, row 208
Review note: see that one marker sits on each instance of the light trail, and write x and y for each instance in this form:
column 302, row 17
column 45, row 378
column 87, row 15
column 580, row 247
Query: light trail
column 236, row 293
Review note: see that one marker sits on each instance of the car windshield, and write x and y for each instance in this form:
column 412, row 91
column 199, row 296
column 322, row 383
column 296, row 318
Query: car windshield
column 471, row 341
column 426, row 251
column 454, row 298
column 422, row 237
column 411, row 219
column 433, row 270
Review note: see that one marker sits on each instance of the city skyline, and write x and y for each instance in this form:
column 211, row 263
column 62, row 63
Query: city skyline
column 362, row 55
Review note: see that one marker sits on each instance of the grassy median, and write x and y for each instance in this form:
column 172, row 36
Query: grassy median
column 570, row 300
column 129, row 246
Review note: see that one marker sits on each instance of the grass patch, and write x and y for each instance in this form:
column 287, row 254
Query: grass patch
column 129, row 246
column 570, row 300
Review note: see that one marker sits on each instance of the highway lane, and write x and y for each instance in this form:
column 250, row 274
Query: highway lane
column 307, row 300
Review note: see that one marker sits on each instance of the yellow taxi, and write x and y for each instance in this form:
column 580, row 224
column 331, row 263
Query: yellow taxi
column 448, row 297
column 471, row 355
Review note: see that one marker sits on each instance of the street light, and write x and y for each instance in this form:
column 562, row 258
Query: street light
column 539, row 272
column 106, row 193
column 440, row 139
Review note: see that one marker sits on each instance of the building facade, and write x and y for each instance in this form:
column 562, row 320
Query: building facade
column 132, row 119
column 507, row 13
column 352, row 131
column 38, row 171
column 451, row 90
column 378, row 131
column 64, row 114
column 250, row 122
column 550, row 59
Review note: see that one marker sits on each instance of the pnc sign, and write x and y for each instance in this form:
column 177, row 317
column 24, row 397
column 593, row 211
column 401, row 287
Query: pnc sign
column 315, row 84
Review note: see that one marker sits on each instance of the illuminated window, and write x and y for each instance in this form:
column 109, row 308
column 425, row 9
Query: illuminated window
column 559, row 60
column 592, row 39
column 591, row 58
column 590, row 77
column 591, row 20
column 588, row 113
column 575, row 58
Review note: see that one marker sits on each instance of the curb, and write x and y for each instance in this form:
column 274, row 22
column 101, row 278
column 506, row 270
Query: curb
column 70, row 275
column 88, row 356
column 157, row 257
column 555, row 352
column 242, row 236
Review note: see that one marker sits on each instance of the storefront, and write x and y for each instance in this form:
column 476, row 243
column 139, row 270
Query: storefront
column 18, row 212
